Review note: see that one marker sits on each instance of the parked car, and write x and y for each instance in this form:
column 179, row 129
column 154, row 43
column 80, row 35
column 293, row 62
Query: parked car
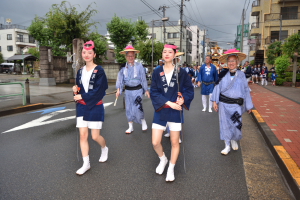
column 7, row 67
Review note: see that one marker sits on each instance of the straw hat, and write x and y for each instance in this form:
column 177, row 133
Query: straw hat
column 179, row 53
column 232, row 52
column 129, row 48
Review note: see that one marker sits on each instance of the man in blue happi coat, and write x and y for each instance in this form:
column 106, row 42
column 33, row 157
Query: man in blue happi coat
column 207, row 77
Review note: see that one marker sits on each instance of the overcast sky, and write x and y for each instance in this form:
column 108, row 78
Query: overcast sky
column 221, row 15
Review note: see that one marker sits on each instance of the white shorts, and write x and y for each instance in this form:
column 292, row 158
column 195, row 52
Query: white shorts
column 172, row 126
column 90, row 124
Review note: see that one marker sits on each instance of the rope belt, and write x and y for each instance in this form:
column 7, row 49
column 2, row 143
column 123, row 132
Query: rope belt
column 208, row 83
column 81, row 101
column 225, row 99
column 133, row 88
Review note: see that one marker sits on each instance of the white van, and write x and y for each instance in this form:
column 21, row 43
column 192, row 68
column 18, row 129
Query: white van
column 8, row 67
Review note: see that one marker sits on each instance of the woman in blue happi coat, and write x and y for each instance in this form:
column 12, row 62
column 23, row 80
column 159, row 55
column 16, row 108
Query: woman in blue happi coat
column 168, row 104
column 91, row 83
column 231, row 98
column 132, row 77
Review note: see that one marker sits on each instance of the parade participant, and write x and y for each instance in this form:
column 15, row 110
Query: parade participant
column 255, row 74
column 264, row 67
column 168, row 103
column 231, row 98
column 160, row 63
column 263, row 77
column 274, row 76
column 207, row 77
column 248, row 71
column 132, row 76
column 91, row 83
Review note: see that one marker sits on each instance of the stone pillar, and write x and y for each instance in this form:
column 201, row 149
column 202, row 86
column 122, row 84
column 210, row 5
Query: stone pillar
column 46, row 67
column 77, row 58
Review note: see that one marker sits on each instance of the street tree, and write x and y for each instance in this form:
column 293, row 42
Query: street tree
column 273, row 52
column 141, row 31
column 282, row 63
column 292, row 45
column 146, row 51
column 34, row 51
column 61, row 25
column 1, row 58
column 100, row 44
column 121, row 31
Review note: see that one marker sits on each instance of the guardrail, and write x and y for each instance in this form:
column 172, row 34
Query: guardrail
column 23, row 91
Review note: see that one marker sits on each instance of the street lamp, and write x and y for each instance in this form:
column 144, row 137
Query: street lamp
column 163, row 19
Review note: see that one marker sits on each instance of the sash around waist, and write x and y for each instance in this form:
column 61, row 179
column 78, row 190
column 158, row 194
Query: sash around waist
column 225, row 99
column 81, row 101
column 208, row 83
column 134, row 87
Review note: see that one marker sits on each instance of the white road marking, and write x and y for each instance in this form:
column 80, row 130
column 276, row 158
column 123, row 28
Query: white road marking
column 42, row 120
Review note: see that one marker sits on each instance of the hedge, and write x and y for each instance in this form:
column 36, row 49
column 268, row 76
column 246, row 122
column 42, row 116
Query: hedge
column 279, row 81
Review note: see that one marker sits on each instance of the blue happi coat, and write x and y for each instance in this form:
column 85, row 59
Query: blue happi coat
column 133, row 76
column 230, row 115
column 97, row 86
column 207, row 75
column 160, row 93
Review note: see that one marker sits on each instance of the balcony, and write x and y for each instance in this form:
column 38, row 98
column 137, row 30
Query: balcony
column 25, row 40
column 285, row 16
column 255, row 31
column 255, row 25
column 255, row 8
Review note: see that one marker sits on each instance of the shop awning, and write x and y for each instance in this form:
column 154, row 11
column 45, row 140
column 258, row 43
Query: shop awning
column 21, row 57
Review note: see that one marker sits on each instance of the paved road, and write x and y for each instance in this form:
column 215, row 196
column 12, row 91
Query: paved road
column 40, row 162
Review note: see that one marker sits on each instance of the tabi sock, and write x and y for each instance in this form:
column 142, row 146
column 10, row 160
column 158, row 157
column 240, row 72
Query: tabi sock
column 204, row 100
column 144, row 125
column 170, row 172
column 104, row 154
column 162, row 164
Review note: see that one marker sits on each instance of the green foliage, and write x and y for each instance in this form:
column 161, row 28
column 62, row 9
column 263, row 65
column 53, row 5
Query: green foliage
column 282, row 63
column 288, row 79
column 288, row 74
column 274, row 50
column 252, row 62
column 270, row 74
column 100, row 44
column 146, row 51
column 292, row 45
column 34, row 51
column 141, row 31
column 121, row 31
column 61, row 25
column 1, row 58
column 279, row 81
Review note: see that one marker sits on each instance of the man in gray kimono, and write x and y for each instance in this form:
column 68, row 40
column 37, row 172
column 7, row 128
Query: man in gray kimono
column 231, row 98
column 132, row 76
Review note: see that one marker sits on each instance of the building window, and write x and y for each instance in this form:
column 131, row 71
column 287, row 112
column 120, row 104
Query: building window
column 31, row 39
column 176, row 35
column 275, row 35
column 9, row 36
column 170, row 35
column 9, row 48
column 289, row 12
column 20, row 38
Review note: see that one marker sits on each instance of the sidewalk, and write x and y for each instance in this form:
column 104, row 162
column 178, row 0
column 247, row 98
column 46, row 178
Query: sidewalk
column 277, row 112
column 40, row 96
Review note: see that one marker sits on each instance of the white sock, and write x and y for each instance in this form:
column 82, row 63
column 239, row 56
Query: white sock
column 162, row 164
column 144, row 124
column 204, row 101
column 104, row 154
column 209, row 101
column 130, row 125
column 170, row 172
column 86, row 160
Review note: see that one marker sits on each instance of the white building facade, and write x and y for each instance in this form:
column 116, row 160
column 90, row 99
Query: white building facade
column 14, row 39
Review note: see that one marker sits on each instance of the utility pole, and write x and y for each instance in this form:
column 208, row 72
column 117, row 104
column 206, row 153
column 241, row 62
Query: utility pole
column 152, row 44
column 280, row 27
column 164, row 15
column 242, row 34
column 203, row 47
column 181, row 13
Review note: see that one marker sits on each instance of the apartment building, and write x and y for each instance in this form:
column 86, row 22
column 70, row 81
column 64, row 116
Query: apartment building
column 172, row 35
column 275, row 20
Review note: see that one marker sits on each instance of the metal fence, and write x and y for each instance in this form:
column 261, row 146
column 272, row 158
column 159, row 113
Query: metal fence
column 10, row 95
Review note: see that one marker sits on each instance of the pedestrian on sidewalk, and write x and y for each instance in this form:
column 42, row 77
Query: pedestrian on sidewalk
column 255, row 74
column 132, row 77
column 207, row 77
column 248, row 71
column 274, row 76
column 168, row 103
column 263, row 78
column 91, row 83
column 231, row 98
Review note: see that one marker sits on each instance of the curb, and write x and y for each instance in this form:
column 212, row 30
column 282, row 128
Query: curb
column 35, row 107
column 287, row 165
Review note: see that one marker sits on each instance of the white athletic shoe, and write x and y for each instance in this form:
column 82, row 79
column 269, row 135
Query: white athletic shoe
column 162, row 164
column 167, row 135
column 170, row 174
column 129, row 130
column 210, row 110
column 83, row 169
column 104, row 154
column 204, row 109
column 234, row 145
column 226, row 150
